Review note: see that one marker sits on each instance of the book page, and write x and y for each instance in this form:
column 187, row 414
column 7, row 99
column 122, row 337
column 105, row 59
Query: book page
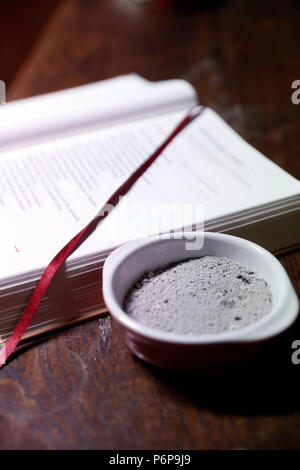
column 50, row 191
column 90, row 106
column 207, row 175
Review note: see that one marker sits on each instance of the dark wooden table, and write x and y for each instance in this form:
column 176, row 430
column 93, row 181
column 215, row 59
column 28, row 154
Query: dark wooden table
column 81, row 388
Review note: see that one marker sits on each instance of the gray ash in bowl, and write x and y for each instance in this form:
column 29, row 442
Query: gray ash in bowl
column 205, row 295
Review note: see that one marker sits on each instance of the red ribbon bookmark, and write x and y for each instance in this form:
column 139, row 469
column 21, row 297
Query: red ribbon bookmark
column 51, row 269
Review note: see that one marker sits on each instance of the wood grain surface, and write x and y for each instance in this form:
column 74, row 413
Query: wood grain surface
column 81, row 388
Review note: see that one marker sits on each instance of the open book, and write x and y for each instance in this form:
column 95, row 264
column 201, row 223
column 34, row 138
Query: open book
column 63, row 154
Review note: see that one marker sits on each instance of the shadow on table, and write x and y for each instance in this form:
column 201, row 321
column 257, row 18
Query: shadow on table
column 268, row 384
column 184, row 5
column 198, row 4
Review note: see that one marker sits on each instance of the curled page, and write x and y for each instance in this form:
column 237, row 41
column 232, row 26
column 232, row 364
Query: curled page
column 98, row 104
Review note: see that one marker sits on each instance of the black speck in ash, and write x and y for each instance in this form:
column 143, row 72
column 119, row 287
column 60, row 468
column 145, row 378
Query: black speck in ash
column 244, row 279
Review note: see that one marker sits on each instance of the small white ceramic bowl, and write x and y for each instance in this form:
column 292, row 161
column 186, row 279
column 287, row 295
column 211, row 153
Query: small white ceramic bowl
column 127, row 264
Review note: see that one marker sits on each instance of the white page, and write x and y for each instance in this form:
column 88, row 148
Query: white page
column 49, row 192
column 89, row 106
column 208, row 165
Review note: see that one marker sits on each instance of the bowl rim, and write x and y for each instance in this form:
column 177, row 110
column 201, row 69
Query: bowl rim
column 251, row 333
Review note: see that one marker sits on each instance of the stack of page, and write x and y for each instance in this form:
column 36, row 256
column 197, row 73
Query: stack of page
column 63, row 154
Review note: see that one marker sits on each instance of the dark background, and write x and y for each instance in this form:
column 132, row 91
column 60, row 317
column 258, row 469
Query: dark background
column 81, row 388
